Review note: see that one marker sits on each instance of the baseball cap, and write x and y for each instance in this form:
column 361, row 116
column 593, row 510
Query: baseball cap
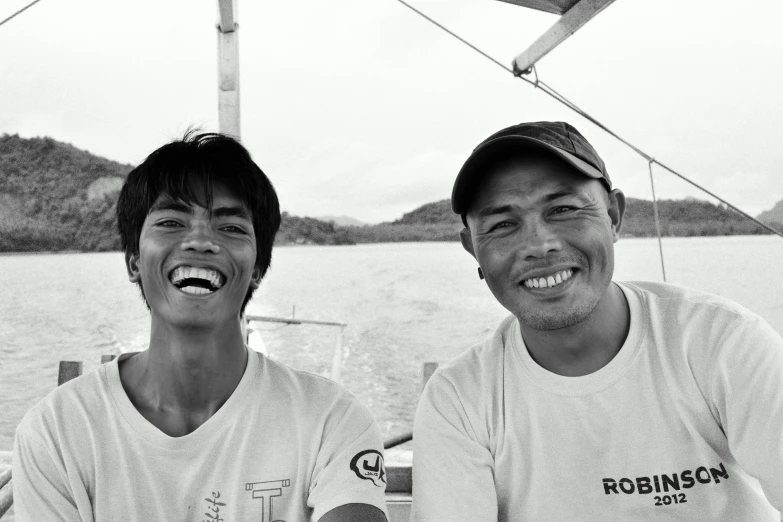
column 556, row 137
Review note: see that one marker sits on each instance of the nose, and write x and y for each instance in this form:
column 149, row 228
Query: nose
column 539, row 240
column 200, row 239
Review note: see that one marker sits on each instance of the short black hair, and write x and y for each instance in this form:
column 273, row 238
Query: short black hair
column 187, row 170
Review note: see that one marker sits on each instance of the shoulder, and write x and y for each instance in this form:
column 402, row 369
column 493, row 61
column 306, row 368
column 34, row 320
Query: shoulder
column 468, row 390
column 688, row 305
column 705, row 326
column 307, row 393
column 480, row 364
column 314, row 386
column 68, row 408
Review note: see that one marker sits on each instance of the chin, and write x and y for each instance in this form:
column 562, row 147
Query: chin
column 548, row 320
column 197, row 321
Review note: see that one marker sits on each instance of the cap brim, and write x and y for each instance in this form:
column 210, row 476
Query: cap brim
column 484, row 153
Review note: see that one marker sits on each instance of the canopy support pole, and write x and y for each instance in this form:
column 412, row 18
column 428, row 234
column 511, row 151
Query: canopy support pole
column 228, row 69
column 568, row 24
column 657, row 219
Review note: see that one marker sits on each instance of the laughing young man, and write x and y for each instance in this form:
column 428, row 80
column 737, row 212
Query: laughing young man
column 595, row 400
column 198, row 427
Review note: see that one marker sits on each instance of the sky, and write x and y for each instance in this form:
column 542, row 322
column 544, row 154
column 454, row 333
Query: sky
column 361, row 108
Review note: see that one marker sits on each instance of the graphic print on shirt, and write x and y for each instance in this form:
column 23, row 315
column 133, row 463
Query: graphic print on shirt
column 266, row 491
column 213, row 508
column 368, row 465
column 666, row 483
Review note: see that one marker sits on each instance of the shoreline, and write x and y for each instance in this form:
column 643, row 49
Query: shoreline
column 291, row 244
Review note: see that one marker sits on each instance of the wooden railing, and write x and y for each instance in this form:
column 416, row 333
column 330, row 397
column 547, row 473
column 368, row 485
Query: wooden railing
column 399, row 479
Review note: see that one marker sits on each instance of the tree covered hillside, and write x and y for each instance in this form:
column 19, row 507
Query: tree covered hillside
column 774, row 215
column 438, row 213
column 680, row 217
column 686, row 217
column 54, row 196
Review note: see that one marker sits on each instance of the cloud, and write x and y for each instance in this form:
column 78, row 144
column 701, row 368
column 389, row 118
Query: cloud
column 364, row 179
column 369, row 99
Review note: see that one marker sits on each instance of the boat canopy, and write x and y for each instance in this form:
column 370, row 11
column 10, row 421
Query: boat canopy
column 573, row 15
column 550, row 6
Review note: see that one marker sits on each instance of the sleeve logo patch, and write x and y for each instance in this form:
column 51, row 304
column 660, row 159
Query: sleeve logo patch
column 368, row 465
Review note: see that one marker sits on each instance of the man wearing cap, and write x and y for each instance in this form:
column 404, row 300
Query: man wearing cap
column 594, row 400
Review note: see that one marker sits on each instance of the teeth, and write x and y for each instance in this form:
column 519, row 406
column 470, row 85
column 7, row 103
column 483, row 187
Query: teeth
column 549, row 281
column 185, row 272
column 196, row 290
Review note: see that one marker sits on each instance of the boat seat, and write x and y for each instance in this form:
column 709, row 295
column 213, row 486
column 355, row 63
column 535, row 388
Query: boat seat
column 399, row 485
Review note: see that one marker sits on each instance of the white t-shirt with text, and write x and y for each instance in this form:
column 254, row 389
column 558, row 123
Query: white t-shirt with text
column 685, row 423
column 286, row 446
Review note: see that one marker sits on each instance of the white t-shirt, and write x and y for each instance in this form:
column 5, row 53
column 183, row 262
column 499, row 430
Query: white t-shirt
column 286, row 446
column 675, row 427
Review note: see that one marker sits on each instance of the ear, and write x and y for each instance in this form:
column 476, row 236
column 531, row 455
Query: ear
column 616, row 210
column 467, row 241
column 132, row 266
column 255, row 278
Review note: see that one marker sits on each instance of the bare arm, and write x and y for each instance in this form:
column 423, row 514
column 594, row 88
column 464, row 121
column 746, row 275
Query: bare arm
column 354, row 513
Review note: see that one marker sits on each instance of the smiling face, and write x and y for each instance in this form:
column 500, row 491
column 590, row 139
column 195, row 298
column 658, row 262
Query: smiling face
column 195, row 267
column 543, row 235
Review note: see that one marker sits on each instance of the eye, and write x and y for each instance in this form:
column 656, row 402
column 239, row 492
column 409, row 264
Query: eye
column 234, row 229
column 502, row 224
column 562, row 209
column 169, row 223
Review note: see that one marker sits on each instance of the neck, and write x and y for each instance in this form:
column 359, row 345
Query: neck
column 585, row 347
column 188, row 369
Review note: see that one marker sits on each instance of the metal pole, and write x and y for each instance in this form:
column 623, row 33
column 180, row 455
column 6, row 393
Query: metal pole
column 289, row 320
column 337, row 357
column 657, row 220
column 573, row 19
column 228, row 69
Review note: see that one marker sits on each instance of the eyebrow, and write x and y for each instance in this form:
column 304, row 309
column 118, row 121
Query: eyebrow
column 491, row 211
column 502, row 209
column 170, row 204
column 562, row 194
column 239, row 212
column 220, row 212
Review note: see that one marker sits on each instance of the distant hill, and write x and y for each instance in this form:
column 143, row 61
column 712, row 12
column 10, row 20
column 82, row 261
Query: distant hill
column 341, row 221
column 686, row 217
column 309, row 231
column 437, row 213
column 682, row 217
column 774, row 215
column 54, row 196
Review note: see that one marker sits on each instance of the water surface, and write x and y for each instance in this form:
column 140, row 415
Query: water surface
column 404, row 303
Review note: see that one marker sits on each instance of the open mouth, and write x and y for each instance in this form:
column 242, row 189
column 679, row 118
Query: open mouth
column 197, row 281
column 549, row 281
